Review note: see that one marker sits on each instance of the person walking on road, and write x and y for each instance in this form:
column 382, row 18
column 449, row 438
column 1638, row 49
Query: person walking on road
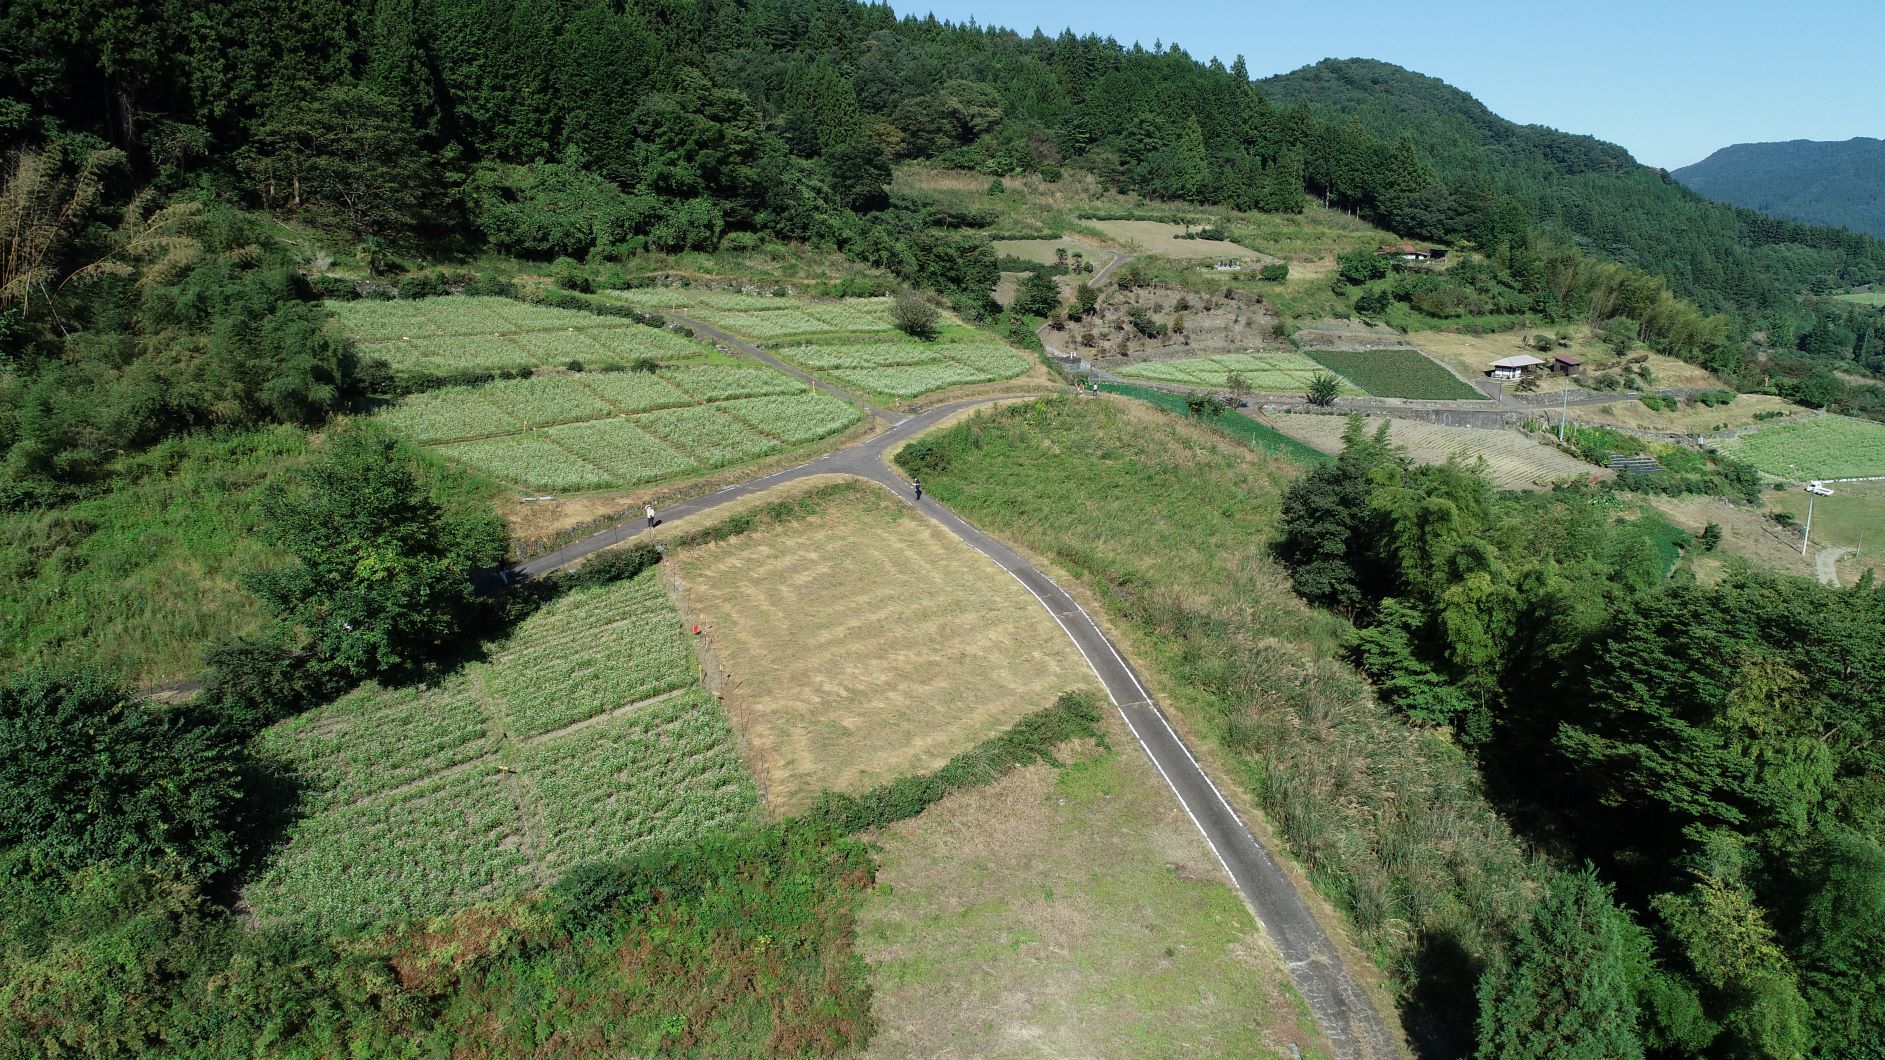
column 918, row 486
column 650, row 509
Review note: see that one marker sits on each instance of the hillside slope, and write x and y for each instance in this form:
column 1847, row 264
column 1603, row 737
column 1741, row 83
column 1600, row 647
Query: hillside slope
column 1813, row 181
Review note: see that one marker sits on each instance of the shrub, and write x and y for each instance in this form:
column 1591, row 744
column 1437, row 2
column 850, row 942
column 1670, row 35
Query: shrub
column 1275, row 272
column 913, row 316
column 88, row 774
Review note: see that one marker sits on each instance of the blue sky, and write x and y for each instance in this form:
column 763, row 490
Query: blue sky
column 1672, row 80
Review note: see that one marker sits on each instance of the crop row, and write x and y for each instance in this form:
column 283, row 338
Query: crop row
column 543, row 691
column 417, row 852
column 665, row 773
column 509, row 405
column 336, row 751
column 907, row 368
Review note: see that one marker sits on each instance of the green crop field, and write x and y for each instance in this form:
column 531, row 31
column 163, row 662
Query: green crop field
column 1864, row 298
column 767, row 318
column 602, row 430
column 906, row 368
column 1395, row 373
column 438, row 336
column 586, row 736
column 1275, row 372
column 1822, row 447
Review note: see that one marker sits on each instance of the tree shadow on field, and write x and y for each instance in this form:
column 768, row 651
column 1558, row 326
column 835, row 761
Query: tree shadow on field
column 1441, row 1015
column 274, row 798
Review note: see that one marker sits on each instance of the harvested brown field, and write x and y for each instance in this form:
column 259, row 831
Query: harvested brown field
column 864, row 643
column 1513, row 460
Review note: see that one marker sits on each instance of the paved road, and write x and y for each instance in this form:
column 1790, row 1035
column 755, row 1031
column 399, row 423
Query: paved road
column 1345, row 1013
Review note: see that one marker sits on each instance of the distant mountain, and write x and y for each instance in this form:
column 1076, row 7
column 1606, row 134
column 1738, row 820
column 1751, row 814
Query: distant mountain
column 1815, row 181
column 1587, row 190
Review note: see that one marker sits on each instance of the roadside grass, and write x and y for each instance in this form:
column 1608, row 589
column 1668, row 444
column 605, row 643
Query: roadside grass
column 1822, row 447
column 1395, row 373
column 1232, row 424
column 138, row 578
column 864, row 642
column 1168, row 527
column 1513, row 460
column 1069, row 910
column 584, row 735
column 1864, row 298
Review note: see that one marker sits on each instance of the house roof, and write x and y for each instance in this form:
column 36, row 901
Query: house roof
column 1523, row 360
column 1565, row 358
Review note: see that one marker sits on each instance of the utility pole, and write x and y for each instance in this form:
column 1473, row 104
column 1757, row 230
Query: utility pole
column 1564, row 406
column 1807, row 535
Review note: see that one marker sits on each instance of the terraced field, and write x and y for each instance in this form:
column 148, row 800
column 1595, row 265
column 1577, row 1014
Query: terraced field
column 587, row 735
column 1513, row 460
column 602, row 430
column 1277, row 372
column 1822, row 447
column 441, row 336
column 905, row 368
column 845, row 341
column 767, row 318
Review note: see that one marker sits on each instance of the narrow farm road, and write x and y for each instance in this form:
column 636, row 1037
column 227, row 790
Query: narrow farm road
column 1345, row 1013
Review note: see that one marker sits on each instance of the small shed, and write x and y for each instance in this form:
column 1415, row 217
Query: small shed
column 1405, row 252
column 1516, row 367
column 1567, row 364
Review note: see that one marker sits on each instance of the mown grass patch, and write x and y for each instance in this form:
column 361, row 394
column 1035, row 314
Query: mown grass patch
column 1822, row 447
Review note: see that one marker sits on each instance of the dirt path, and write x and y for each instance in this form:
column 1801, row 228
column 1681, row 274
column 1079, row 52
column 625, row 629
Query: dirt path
column 1826, row 564
column 760, row 354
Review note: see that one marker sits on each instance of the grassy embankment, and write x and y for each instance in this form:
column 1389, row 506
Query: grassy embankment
column 1168, row 526
column 140, row 576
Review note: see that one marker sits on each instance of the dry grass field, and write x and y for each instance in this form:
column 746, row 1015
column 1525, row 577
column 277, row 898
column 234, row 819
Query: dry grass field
column 1069, row 912
column 1158, row 237
column 864, row 643
column 1469, row 354
column 1688, row 418
column 1513, row 460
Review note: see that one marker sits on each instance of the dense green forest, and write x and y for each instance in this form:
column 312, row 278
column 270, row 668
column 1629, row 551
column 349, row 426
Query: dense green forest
column 1708, row 749
column 1816, row 182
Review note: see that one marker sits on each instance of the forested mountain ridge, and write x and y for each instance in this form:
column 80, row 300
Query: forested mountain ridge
column 1723, row 257
column 1813, row 181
